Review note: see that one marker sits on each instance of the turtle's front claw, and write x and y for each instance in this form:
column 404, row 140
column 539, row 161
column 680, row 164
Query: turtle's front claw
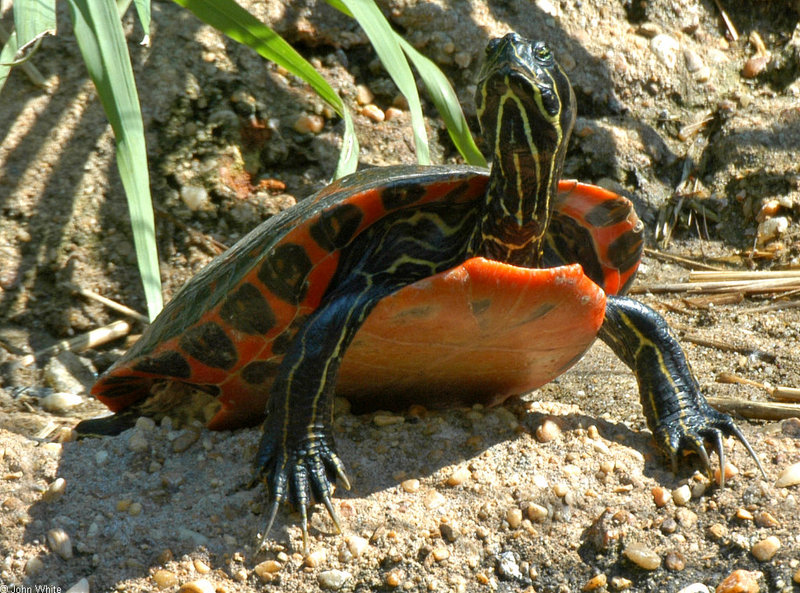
column 690, row 430
column 299, row 475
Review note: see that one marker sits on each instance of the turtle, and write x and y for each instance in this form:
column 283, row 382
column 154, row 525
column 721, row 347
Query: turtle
column 446, row 285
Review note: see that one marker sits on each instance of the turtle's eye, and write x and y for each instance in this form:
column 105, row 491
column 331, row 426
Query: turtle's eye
column 542, row 52
column 492, row 45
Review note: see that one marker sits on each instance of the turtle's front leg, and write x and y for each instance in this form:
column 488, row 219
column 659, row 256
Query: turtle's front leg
column 297, row 458
column 677, row 413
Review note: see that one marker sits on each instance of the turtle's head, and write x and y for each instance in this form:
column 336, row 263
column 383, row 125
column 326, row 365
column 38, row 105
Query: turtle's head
column 526, row 109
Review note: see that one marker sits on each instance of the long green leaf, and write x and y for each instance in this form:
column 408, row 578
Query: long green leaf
column 240, row 25
column 384, row 40
column 34, row 19
column 7, row 57
column 446, row 101
column 101, row 40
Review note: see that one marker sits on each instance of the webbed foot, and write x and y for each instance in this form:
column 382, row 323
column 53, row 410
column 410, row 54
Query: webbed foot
column 299, row 474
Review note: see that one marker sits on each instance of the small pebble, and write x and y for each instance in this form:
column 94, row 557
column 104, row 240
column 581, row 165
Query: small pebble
column 661, row 496
column 731, row 471
column 739, row 581
column 537, row 512
column 754, row 66
column 333, row 579
column 440, row 553
column 185, row 440
column 82, row 586
column 547, row 431
column 165, row 579
column 666, row 49
column 796, row 577
column 33, row 566
column 265, row 570
column 508, row 566
column 356, row 545
column 433, row 500
column 393, row 113
column 55, row 490
column 410, row 486
column 596, row 582
column 135, row 509
column 695, row 588
column 364, row 95
column 766, row 548
column 315, row 559
column 648, row 30
column 693, row 61
column 620, row 583
column 772, row 228
column 642, row 556
column 59, row 542
column 459, row 476
column 138, row 442
column 449, row 532
column 60, row 402
column 675, row 561
column 309, row 123
column 514, row 517
column 195, row 197
column 200, row 566
column 668, row 526
column 463, row 59
column 744, row 515
column 373, row 112
column 718, row 531
column 765, row 519
column 393, row 579
column 789, row 477
column 681, row 495
column 198, row 586
column 560, row 490
column 686, row 517
column 385, row 419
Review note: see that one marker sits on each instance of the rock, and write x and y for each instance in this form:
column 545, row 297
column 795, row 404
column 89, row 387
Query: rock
column 508, row 566
column 195, row 197
column 315, row 559
column 766, row 548
column 642, row 556
column 681, row 495
column 198, row 586
column 82, row 586
column 666, row 49
column 356, row 545
column 60, row 402
column 789, row 477
column 59, row 541
column 333, row 579
column 739, row 581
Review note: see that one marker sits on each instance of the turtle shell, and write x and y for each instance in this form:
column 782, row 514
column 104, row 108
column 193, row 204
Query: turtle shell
column 479, row 332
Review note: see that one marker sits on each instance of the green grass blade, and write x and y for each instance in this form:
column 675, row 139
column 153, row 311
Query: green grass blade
column 102, row 43
column 34, row 19
column 143, row 10
column 7, row 57
column 446, row 101
column 384, row 40
column 241, row 26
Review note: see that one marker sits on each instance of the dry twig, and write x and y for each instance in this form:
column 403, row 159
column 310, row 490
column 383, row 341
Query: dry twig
column 96, row 337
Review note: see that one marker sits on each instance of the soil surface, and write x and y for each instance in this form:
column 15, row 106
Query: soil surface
column 559, row 490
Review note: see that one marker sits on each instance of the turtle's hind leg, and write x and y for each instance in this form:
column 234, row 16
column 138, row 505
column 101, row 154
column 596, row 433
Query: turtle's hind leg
column 677, row 413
